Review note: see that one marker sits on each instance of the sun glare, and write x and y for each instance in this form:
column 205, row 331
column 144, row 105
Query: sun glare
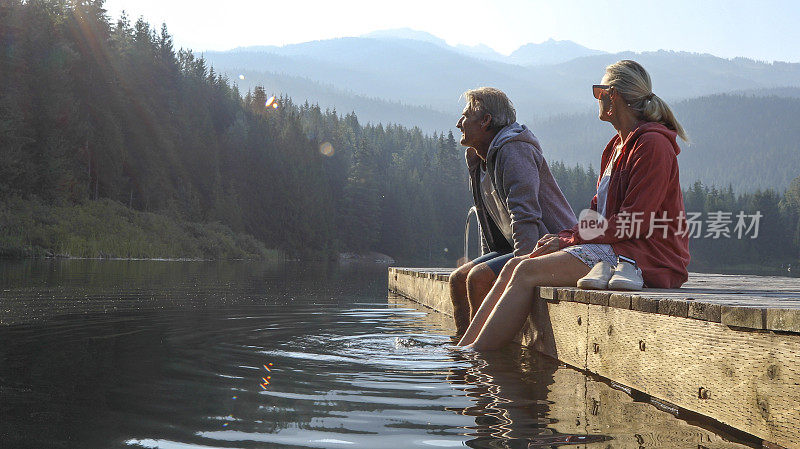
column 326, row 149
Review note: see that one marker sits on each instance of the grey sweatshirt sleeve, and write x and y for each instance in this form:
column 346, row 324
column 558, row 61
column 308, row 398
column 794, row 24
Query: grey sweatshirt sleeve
column 520, row 183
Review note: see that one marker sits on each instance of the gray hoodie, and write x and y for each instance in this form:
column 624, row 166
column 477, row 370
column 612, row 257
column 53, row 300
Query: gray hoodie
column 521, row 177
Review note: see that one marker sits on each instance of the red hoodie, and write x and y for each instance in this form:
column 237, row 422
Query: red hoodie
column 644, row 181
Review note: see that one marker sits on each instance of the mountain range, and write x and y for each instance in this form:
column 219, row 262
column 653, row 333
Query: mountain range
column 417, row 69
column 413, row 78
column 549, row 52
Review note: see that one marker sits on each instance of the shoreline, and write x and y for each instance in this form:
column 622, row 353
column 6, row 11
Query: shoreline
column 107, row 229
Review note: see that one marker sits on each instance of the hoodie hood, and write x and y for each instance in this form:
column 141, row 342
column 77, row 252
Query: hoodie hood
column 512, row 132
column 654, row 127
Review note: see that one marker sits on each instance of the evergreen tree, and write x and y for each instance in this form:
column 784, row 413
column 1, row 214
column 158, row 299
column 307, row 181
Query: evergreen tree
column 362, row 206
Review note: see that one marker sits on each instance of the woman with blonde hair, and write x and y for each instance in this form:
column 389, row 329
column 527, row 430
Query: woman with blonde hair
column 638, row 199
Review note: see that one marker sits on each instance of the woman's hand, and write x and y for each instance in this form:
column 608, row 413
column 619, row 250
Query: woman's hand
column 549, row 243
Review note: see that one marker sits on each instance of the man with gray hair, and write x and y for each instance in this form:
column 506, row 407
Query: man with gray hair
column 516, row 197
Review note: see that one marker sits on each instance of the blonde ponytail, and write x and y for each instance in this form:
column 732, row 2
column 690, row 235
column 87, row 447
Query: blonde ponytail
column 632, row 81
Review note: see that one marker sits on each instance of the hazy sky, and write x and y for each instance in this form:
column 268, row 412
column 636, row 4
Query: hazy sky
column 765, row 30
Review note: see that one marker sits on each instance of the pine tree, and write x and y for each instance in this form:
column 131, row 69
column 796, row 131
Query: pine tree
column 362, row 205
column 790, row 208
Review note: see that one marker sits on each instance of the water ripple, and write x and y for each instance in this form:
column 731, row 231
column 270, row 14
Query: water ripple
column 215, row 355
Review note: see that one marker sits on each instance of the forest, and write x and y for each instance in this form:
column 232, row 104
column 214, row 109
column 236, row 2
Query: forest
column 115, row 144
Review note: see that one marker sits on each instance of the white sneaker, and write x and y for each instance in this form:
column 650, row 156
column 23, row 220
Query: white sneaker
column 627, row 276
column 598, row 276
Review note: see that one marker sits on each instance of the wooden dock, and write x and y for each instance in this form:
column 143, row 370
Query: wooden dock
column 725, row 347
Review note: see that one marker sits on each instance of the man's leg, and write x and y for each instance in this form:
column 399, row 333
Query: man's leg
column 458, row 295
column 479, row 281
column 458, row 291
column 481, row 278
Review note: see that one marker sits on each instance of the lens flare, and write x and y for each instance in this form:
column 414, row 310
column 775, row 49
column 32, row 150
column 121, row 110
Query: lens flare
column 241, row 77
column 326, row 149
column 274, row 105
column 271, row 102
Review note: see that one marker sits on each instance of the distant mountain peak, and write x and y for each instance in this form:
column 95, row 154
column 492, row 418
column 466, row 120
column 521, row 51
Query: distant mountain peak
column 480, row 51
column 551, row 51
column 406, row 33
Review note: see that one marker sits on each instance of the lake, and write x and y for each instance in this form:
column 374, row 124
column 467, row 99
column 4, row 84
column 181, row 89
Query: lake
column 167, row 354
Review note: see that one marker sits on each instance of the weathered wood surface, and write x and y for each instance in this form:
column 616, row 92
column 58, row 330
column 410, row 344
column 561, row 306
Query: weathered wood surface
column 601, row 409
column 581, row 405
column 748, row 380
column 565, row 341
column 433, row 322
column 420, row 285
column 756, row 302
column 726, row 347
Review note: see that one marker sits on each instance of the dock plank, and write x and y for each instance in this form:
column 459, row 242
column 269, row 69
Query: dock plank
column 640, row 424
column 558, row 329
column 702, row 297
column 748, row 380
column 599, row 409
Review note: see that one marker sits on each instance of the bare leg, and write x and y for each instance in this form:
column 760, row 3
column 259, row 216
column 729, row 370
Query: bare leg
column 490, row 300
column 458, row 295
column 479, row 281
column 513, row 307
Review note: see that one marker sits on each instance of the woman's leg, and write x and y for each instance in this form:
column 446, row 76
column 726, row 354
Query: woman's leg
column 489, row 302
column 557, row 269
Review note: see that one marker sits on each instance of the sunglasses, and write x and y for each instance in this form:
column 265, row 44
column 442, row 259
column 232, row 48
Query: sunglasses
column 599, row 89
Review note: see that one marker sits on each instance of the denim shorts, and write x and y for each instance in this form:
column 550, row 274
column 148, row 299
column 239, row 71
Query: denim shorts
column 592, row 253
column 494, row 260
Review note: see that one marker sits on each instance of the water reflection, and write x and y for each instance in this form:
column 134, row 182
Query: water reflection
column 511, row 408
column 175, row 355
column 522, row 400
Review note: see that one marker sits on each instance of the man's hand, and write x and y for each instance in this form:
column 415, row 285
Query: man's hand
column 549, row 243
column 473, row 160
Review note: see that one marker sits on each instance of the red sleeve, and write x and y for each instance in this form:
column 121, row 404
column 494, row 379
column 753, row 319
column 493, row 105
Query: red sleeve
column 651, row 165
column 567, row 233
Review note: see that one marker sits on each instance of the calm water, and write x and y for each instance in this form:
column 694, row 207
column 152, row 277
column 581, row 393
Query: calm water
column 126, row 354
